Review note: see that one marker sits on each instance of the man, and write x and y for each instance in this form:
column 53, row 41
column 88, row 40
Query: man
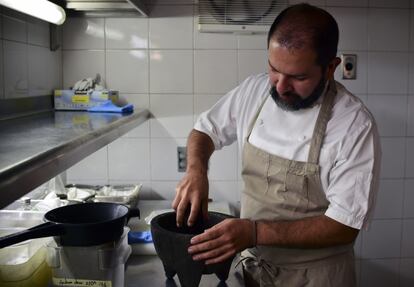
column 310, row 162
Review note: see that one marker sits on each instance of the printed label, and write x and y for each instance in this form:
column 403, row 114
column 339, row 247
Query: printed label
column 80, row 282
column 80, row 99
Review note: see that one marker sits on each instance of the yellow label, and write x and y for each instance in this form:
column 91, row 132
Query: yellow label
column 58, row 93
column 81, row 99
column 81, row 119
column 80, row 282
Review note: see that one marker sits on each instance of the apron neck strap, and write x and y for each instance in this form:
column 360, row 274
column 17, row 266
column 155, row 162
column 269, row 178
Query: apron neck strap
column 249, row 131
column 321, row 123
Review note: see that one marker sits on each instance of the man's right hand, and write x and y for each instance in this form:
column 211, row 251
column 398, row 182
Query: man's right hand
column 191, row 192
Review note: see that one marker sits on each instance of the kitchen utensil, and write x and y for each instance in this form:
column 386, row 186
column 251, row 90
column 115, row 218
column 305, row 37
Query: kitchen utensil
column 172, row 242
column 79, row 224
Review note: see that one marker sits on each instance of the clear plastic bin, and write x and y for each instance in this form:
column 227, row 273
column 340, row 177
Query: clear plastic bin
column 100, row 265
column 24, row 264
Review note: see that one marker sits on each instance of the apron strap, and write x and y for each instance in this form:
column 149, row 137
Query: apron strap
column 321, row 123
column 252, row 123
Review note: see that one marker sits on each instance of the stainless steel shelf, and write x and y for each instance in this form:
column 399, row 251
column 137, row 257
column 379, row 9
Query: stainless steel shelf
column 34, row 149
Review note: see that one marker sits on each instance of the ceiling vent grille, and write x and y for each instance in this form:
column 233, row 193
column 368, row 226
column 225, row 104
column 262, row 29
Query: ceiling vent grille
column 238, row 16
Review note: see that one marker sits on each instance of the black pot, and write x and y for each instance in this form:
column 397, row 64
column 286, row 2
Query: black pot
column 172, row 242
column 79, row 225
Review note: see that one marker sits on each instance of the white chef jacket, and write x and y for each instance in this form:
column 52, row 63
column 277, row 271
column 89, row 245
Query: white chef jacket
column 350, row 154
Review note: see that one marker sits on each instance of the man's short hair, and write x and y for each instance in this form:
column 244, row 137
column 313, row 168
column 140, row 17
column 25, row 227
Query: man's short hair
column 306, row 26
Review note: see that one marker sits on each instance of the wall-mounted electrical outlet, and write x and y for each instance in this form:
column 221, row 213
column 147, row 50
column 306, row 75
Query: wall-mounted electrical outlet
column 349, row 64
column 182, row 158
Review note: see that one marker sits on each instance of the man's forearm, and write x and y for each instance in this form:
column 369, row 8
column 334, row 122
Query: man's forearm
column 199, row 150
column 312, row 232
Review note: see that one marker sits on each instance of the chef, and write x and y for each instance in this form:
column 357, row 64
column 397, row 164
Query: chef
column 310, row 162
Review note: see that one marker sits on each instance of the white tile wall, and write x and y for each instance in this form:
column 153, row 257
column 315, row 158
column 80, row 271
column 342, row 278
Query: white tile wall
column 83, row 33
column 393, row 157
column 15, row 69
column 140, row 101
column 173, row 115
column 353, row 27
column 215, row 71
column 129, row 159
column 1, row 70
column 38, row 82
column 390, row 4
column 409, row 198
column 390, row 112
column 390, row 199
column 382, row 35
column 380, row 272
column 38, row 33
column 80, row 64
column 406, row 272
column 407, row 248
column 164, row 189
column 165, row 77
column 381, row 65
column 28, row 67
column 93, row 168
column 14, row 29
column 382, row 240
column 347, row 3
column 224, row 191
column 410, row 119
column 126, row 33
column 409, row 170
column 171, row 27
column 251, row 61
column 203, row 103
column 164, row 63
column 164, row 158
column 223, row 164
column 133, row 65
column 411, row 72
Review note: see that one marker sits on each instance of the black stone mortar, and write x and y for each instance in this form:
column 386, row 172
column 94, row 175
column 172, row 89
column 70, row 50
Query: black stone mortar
column 172, row 242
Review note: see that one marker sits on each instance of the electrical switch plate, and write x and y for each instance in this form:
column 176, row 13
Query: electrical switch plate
column 182, row 158
column 349, row 62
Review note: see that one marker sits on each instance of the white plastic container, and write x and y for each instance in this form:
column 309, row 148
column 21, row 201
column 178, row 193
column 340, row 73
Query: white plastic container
column 24, row 264
column 100, row 265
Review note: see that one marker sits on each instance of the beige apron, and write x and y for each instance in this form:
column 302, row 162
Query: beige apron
column 282, row 189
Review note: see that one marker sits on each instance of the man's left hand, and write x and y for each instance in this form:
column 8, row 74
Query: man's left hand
column 222, row 241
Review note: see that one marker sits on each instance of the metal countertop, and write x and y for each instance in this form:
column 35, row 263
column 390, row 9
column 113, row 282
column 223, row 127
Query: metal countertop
column 35, row 148
column 147, row 270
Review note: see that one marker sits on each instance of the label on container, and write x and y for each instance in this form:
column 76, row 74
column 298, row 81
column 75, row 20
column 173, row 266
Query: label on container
column 80, row 282
column 83, row 99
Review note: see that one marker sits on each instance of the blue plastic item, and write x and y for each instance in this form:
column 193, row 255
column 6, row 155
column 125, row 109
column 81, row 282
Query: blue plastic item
column 109, row 107
column 139, row 237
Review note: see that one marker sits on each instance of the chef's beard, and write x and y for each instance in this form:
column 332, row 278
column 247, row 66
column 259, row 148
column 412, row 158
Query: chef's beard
column 296, row 102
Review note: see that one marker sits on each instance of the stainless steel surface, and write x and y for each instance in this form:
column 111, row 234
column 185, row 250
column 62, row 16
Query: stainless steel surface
column 36, row 148
column 108, row 6
column 147, row 270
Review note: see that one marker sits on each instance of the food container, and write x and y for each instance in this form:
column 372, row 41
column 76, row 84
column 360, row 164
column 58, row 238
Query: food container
column 99, row 265
column 125, row 194
column 24, row 264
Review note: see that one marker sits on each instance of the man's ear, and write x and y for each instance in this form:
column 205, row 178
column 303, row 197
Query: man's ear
column 333, row 64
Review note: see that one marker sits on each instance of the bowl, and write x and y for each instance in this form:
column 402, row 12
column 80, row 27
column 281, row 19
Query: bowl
column 171, row 244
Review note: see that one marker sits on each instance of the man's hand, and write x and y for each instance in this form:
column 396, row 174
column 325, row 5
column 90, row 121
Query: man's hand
column 193, row 188
column 192, row 191
column 223, row 240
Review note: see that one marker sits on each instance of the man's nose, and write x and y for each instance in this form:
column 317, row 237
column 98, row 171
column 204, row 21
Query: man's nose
column 283, row 84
